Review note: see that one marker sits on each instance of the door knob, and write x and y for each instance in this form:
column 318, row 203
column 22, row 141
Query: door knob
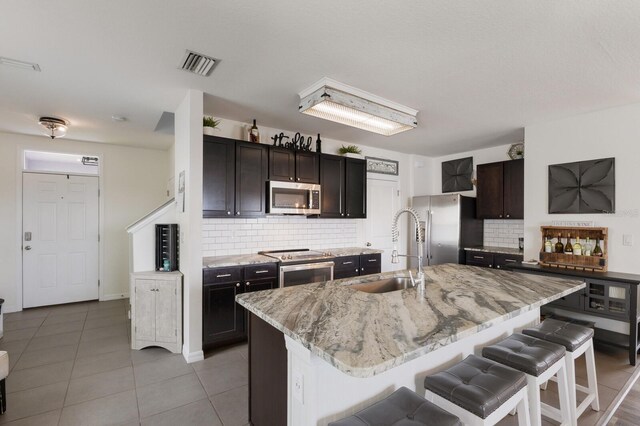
column 368, row 244
column 27, row 248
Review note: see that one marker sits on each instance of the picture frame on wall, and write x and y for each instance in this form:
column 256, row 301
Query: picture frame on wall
column 382, row 166
column 456, row 175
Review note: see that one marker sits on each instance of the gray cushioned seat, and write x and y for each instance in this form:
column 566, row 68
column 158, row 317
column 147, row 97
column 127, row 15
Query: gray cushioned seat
column 476, row 384
column 525, row 353
column 569, row 335
column 401, row 408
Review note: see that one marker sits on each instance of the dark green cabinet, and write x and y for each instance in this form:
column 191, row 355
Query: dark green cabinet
column 234, row 178
column 223, row 320
column 293, row 166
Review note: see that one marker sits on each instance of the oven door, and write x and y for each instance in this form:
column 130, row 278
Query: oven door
column 305, row 273
column 293, row 198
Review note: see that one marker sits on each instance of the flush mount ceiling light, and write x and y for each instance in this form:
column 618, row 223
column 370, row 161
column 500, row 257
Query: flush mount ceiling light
column 344, row 104
column 54, row 127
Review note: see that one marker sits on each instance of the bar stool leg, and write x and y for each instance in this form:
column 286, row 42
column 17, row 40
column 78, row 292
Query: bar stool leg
column 591, row 376
column 570, row 368
column 533, row 394
column 524, row 418
column 563, row 394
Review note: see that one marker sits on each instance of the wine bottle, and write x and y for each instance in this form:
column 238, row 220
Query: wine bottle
column 568, row 248
column 587, row 248
column 254, row 134
column 597, row 251
column 548, row 248
column 559, row 245
column 577, row 247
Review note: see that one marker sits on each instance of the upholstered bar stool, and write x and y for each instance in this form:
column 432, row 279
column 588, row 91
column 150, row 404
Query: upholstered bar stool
column 539, row 360
column 479, row 391
column 577, row 340
column 403, row 407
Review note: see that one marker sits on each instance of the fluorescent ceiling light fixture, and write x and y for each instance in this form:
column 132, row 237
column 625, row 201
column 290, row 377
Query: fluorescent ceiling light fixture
column 19, row 64
column 340, row 103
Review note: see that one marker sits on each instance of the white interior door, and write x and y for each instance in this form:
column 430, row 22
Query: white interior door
column 59, row 239
column 382, row 204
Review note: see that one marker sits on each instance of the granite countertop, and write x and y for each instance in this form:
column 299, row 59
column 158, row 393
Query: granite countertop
column 501, row 250
column 235, row 260
column 364, row 334
column 620, row 277
column 254, row 259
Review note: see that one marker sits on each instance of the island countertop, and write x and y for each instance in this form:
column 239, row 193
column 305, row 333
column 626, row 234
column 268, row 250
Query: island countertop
column 364, row 334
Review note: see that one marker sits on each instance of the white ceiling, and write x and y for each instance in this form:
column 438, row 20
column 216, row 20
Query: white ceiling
column 478, row 72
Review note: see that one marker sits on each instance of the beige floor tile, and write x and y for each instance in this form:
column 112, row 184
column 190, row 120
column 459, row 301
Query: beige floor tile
column 150, row 354
column 15, row 349
column 111, row 312
column 46, row 357
column 62, row 318
column 108, row 344
column 220, row 357
column 26, row 314
column 110, row 410
column 227, row 377
column 65, row 327
column 172, row 393
column 109, row 304
column 233, row 406
column 21, row 334
column 101, row 363
column 29, row 378
column 105, row 321
column 99, row 385
column 103, row 332
column 45, row 419
column 34, row 401
column 161, row 369
column 200, row 413
column 21, row 324
column 53, row 341
column 68, row 308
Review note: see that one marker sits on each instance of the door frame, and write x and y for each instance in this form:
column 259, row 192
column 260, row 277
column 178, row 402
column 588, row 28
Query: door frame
column 19, row 199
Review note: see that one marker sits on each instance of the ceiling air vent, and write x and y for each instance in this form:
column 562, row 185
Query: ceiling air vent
column 198, row 63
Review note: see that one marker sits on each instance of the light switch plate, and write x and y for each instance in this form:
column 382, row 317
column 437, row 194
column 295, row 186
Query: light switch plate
column 627, row 239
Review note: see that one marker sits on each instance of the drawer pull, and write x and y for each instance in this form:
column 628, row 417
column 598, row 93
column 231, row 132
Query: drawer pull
column 347, row 263
column 510, row 260
column 372, row 260
column 262, row 272
column 223, row 275
column 478, row 257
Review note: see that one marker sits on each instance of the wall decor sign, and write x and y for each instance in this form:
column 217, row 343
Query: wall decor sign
column 456, row 175
column 582, row 187
column 297, row 143
column 382, row 166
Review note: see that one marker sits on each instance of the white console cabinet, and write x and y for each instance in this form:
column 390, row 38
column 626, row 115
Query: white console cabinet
column 156, row 310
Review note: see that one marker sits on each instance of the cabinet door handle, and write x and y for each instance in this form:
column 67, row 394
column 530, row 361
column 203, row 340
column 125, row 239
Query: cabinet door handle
column 262, row 272
column 223, row 275
column 298, row 179
column 498, row 266
column 490, row 266
column 478, row 257
column 347, row 263
column 237, row 213
column 347, row 214
column 341, row 214
column 229, row 213
column 356, row 269
column 372, row 260
column 500, row 216
column 290, row 178
column 510, row 260
column 507, row 215
column 237, row 284
column 248, row 283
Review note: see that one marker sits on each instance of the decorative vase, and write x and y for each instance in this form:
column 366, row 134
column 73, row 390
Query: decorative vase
column 207, row 130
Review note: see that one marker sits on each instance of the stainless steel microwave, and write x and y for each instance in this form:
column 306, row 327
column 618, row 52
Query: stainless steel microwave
column 293, row 198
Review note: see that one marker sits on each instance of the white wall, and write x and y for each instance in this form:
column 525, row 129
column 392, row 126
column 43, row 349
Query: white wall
column 132, row 184
column 613, row 132
column 188, row 159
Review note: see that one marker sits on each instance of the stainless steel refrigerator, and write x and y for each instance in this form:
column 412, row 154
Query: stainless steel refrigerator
column 449, row 225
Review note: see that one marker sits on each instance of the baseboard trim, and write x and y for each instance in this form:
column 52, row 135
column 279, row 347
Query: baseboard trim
column 192, row 357
column 107, row 297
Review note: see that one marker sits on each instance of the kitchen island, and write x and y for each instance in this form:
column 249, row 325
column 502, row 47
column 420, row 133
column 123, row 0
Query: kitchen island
column 321, row 351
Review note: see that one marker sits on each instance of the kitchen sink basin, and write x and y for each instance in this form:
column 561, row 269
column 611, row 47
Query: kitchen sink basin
column 384, row 286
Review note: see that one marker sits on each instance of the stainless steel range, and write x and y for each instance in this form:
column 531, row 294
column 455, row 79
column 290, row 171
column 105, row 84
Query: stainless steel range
column 302, row 266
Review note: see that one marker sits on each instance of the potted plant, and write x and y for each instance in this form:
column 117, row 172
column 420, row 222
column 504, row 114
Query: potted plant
column 350, row 151
column 209, row 124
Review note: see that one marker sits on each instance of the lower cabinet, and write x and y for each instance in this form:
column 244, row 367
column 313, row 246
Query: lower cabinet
column 223, row 320
column 353, row 266
column 156, row 310
column 491, row 260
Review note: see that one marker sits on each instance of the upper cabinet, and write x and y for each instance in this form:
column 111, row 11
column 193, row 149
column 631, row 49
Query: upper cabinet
column 344, row 187
column 500, row 190
column 291, row 166
column 234, row 178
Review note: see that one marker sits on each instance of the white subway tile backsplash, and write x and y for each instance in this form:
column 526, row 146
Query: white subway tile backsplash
column 503, row 232
column 223, row 237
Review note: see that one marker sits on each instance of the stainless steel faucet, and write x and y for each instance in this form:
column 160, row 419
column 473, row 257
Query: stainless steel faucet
column 395, row 234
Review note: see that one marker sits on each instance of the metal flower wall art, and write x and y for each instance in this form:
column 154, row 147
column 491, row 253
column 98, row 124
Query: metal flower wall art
column 456, row 175
column 582, row 187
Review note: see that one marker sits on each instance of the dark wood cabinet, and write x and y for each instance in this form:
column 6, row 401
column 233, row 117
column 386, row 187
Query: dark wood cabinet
column 491, row 260
column 500, row 191
column 234, row 178
column 223, row 320
column 218, row 177
column 370, row 264
column 355, row 188
column 353, row 266
column 292, row 166
column 332, row 181
column 501, row 260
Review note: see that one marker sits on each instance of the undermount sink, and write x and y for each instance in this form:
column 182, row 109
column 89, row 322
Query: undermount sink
column 384, row 286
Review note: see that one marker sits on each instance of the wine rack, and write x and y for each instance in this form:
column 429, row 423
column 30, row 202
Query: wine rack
column 571, row 261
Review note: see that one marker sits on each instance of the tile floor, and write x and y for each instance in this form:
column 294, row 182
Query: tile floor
column 72, row 365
